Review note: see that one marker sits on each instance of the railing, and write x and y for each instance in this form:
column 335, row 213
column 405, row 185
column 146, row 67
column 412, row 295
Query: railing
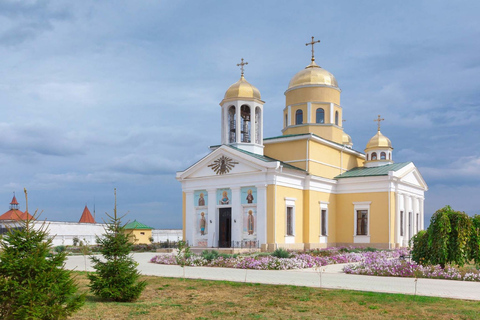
column 243, row 244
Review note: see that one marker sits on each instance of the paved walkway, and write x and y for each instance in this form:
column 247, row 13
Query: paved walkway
column 331, row 277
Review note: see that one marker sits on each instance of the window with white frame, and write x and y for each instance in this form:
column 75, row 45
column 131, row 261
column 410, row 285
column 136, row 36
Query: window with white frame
column 401, row 223
column 323, row 218
column 289, row 217
column 417, row 222
column 361, row 220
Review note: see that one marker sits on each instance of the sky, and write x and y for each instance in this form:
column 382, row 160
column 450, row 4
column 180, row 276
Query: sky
column 97, row 95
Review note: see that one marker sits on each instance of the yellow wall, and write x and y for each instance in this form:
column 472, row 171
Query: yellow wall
column 140, row 236
column 281, row 218
column 270, row 213
column 378, row 223
column 313, row 216
column 288, row 151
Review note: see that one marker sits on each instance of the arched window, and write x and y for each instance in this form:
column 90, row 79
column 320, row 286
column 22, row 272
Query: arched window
column 320, row 118
column 336, row 118
column 299, row 117
column 367, row 156
column 232, row 123
column 389, row 156
column 374, row 156
column 286, row 120
column 246, row 122
column 258, row 119
column 383, row 156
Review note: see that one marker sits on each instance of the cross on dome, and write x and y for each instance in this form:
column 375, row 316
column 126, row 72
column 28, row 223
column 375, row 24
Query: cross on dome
column 312, row 43
column 378, row 120
column 241, row 64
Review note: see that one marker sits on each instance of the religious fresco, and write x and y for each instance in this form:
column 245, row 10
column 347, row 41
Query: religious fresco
column 200, row 198
column 248, row 195
column 202, row 218
column 249, row 223
column 224, row 196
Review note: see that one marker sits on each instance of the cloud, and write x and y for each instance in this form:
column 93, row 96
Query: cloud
column 464, row 168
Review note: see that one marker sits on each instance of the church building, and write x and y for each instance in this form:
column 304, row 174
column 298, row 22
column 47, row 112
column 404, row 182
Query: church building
column 305, row 189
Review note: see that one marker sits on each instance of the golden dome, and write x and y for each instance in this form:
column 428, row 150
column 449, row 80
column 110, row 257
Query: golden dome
column 313, row 74
column 346, row 139
column 242, row 89
column 379, row 141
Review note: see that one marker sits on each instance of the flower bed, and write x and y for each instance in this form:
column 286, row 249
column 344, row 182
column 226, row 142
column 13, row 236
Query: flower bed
column 310, row 259
column 377, row 266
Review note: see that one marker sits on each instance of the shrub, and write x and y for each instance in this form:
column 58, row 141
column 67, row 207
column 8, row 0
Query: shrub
column 59, row 249
column 34, row 283
column 281, row 253
column 116, row 277
column 210, row 255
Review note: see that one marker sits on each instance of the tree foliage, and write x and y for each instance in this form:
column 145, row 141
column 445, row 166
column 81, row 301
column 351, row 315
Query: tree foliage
column 475, row 239
column 33, row 282
column 116, row 277
column 447, row 239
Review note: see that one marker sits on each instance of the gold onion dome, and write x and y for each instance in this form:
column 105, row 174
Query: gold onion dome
column 346, row 139
column 313, row 74
column 379, row 141
column 242, row 89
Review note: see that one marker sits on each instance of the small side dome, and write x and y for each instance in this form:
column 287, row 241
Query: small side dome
column 347, row 140
column 379, row 141
column 313, row 74
column 242, row 89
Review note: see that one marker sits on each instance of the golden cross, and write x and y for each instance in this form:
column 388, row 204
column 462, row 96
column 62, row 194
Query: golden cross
column 311, row 44
column 378, row 120
column 241, row 64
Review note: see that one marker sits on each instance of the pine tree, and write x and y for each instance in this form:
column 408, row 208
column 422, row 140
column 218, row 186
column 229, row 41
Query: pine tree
column 33, row 282
column 116, row 276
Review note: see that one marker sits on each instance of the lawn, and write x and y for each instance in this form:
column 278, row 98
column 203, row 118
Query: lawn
column 172, row 298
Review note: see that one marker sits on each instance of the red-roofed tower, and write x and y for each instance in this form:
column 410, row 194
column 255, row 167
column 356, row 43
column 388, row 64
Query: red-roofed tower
column 87, row 216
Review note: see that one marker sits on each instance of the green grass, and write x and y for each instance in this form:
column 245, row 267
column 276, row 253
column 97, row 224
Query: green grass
column 172, row 298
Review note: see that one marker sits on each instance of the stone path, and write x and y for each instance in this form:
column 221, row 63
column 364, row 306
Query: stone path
column 332, row 278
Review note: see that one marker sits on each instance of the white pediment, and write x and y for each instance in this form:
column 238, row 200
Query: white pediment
column 225, row 161
column 413, row 178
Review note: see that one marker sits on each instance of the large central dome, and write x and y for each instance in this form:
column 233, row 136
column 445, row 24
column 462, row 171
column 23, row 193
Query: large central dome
column 313, row 75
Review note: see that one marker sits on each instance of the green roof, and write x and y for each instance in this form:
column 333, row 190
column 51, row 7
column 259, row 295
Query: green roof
column 373, row 171
column 267, row 159
column 136, row 225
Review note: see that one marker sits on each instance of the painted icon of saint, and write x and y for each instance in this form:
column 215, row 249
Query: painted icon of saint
column 201, row 200
column 203, row 223
column 251, row 222
column 224, row 199
column 249, row 196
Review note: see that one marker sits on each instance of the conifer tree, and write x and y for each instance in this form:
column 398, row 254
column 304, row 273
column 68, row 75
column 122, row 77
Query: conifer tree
column 116, row 276
column 33, row 282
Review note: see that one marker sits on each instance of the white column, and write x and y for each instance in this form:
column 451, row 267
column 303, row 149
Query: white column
column 422, row 218
column 253, row 120
column 212, row 218
column 237, row 220
column 262, row 214
column 190, row 218
column 397, row 218
column 406, row 231
column 237, row 125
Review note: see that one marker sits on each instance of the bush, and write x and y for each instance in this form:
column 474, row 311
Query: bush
column 281, row 253
column 34, row 283
column 116, row 277
column 210, row 255
column 59, row 249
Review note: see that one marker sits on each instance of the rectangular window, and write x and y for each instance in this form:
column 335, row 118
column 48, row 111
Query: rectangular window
column 324, row 222
column 418, row 221
column 410, row 223
column 362, row 222
column 401, row 223
column 289, row 221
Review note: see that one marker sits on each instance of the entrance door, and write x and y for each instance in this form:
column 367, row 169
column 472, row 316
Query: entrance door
column 225, row 228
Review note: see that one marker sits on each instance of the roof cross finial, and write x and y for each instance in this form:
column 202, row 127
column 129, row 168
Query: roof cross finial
column 312, row 44
column 378, row 120
column 241, row 64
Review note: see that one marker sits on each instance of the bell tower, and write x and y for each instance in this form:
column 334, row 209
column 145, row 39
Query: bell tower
column 242, row 115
